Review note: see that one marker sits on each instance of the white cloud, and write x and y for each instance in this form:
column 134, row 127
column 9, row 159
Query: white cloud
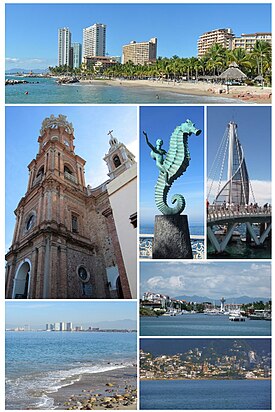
column 260, row 188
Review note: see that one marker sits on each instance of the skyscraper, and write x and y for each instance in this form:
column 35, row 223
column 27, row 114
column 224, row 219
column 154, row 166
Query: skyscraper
column 77, row 50
column 140, row 53
column 64, row 45
column 94, row 40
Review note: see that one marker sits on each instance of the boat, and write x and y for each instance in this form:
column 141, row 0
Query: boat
column 260, row 315
column 236, row 317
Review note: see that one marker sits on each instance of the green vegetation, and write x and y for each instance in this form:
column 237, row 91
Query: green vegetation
column 259, row 305
column 216, row 60
column 147, row 312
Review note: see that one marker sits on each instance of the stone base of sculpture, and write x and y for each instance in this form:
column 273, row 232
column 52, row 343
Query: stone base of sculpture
column 172, row 237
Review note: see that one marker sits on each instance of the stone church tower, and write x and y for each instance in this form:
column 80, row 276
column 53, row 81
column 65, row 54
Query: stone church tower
column 65, row 243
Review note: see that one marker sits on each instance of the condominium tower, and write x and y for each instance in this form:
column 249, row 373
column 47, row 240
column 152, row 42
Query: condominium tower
column 94, row 40
column 224, row 37
column 64, row 46
column 77, row 51
column 140, row 53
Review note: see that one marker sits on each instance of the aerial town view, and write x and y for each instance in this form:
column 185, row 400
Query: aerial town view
column 56, row 365
column 205, row 299
column 86, row 57
column 199, row 373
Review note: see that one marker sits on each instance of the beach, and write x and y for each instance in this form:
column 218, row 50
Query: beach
column 248, row 94
column 100, row 387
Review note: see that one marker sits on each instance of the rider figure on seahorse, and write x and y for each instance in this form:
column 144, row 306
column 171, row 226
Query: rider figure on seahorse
column 172, row 166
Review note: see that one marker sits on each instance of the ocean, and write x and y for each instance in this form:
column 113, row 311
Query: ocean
column 48, row 91
column 202, row 325
column 194, row 229
column 39, row 363
column 205, row 394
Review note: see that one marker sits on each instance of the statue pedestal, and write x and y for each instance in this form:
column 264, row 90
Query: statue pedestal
column 172, row 237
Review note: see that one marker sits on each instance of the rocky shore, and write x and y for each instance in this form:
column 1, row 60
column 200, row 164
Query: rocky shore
column 114, row 389
column 12, row 82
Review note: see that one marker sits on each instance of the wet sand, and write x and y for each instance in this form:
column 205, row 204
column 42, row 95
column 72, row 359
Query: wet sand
column 249, row 94
column 99, row 386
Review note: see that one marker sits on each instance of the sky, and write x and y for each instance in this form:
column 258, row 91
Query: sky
column 254, row 132
column 160, row 122
column 31, row 40
column 210, row 279
column 91, row 125
column 85, row 313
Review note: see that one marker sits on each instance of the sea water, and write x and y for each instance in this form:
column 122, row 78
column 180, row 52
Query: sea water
column 205, row 394
column 202, row 325
column 48, row 91
column 39, row 363
column 195, row 230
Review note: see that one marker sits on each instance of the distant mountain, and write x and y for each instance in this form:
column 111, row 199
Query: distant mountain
column 116, row 324
column 26, row 71
column 238, row 300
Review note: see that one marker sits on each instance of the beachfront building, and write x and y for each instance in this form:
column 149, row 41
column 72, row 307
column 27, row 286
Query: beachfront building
column 72, row 241
column 224, row 37
column 248, row 41
column 94, row 40
column 140, row 53
column 98, row 63
column 64, row 47
column 77, row 55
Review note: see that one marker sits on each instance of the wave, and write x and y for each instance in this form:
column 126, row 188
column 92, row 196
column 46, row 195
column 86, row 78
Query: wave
column 33, row 391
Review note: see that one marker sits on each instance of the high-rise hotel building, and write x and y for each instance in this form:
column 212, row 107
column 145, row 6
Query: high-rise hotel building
column 94, row 40
column 248, row 41
column 224, row 37
column 140, row 53
column 64, row 46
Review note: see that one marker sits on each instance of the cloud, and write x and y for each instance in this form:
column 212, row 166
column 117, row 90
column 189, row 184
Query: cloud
column 261, row 190
column 231, row 279
column 12, row 60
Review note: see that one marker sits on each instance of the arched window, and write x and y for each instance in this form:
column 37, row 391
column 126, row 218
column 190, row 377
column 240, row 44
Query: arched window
column 40, row 172
column 30, row 221
column 116, row 161
column 67, row 170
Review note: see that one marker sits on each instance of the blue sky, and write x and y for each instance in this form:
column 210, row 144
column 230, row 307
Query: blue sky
column 91, row 125
column 254, row 132
column 160, row 122
column 31, row 29
column 38, row 313
column 211, row 279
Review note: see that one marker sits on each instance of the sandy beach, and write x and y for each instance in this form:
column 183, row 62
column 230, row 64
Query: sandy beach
column 98, row 391
column 248, row 94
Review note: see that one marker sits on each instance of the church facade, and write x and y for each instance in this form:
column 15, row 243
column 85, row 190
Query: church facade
column 65, row 243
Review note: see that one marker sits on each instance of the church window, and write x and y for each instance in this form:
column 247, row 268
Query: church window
column 66, row 143
column 40, row 171
column 117, row 161
column 83, row 274
column 74, row 223
column 30, row 222
column 67, row 170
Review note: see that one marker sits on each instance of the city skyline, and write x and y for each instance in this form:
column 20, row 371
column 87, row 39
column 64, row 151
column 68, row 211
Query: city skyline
column 91, row 126
column 95, row 314
column 132, row 16
column 211, row 279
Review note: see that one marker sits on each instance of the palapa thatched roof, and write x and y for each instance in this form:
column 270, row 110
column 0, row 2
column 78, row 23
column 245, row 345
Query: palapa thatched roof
column 259, row 78
column 233, row 73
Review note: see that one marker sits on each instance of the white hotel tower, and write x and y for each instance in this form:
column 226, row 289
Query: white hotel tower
column 64, row 46
column 94, row 40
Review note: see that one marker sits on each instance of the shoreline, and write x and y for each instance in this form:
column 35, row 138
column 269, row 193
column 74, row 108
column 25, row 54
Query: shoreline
column 247, row 94
column 114, row 389
column 205, row 379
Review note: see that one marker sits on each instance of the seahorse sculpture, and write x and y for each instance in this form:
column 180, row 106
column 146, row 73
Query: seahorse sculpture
column 172, row 166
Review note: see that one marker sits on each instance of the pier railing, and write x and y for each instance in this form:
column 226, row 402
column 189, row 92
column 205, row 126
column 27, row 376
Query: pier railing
column 146, row 245
column 220, row 212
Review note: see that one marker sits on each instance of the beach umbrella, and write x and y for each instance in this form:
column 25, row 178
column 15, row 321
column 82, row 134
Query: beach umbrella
column 233, row 73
